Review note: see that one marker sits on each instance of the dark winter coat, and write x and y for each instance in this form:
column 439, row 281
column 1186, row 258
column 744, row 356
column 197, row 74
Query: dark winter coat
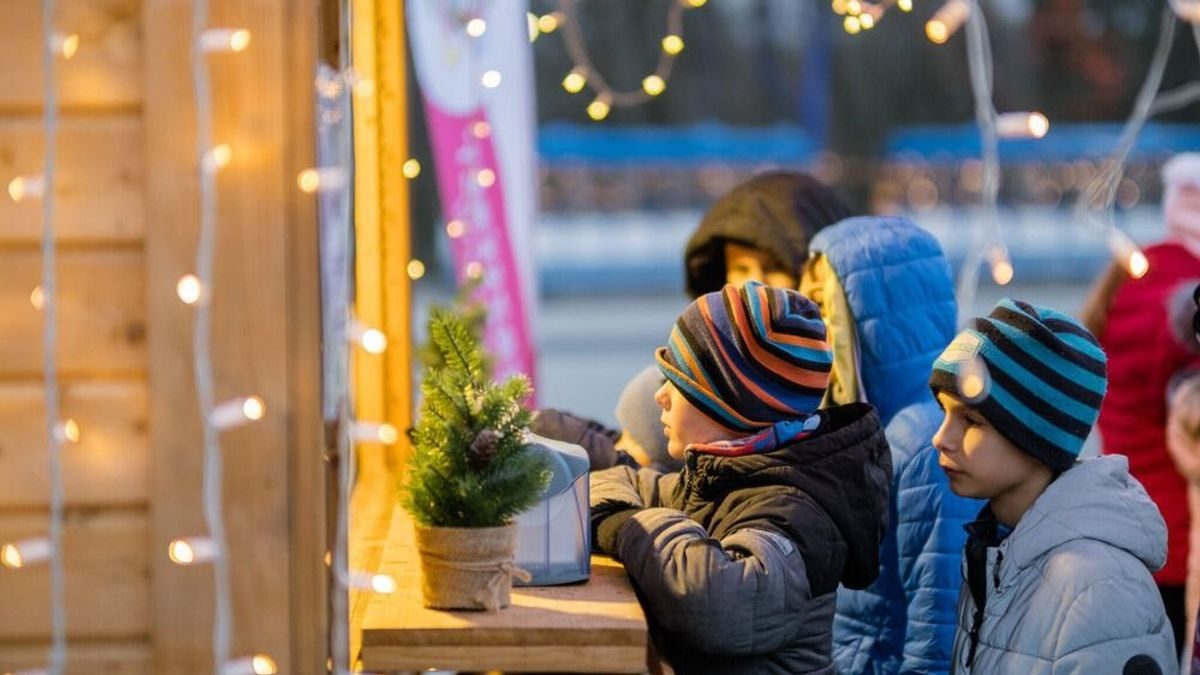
column 737, row 559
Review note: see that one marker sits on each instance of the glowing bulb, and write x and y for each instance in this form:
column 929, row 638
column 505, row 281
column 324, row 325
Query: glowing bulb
column 1002, row 272
column 455, row 229
column 364, row 88
column 481, row 130
column 224, row 40
column 25, row 552
column 309, row 181
column 263, row 665
column 491, row 79
column 575, row 80
column 189, row 289
column 1138, row 264
column 259, row 664
column 974, row 380
column 217, row 158
column 474, row 270
column 696, row 3
column 852, row 25
column 378, row 583
column 64, row 44
column 486, row 178
column 37, row 298
column 531, row 26
column 22, row 188
column 867, row 21
column 411, row 168
column 548, row 23
column 839, row 7
column 1128, row 253
column 371, row 432
column 68, row 431
column 653, row 85
column 373, row 341
column 416, row 269
column 854, row 7
column 1022, row 125
column 904, row 5
column 382, row 583
column 476, row 27
column 237, row 412
column 672, row 44
column 946, row 22
column 599, row 108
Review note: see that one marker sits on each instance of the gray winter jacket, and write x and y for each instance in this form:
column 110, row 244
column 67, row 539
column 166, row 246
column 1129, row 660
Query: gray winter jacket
column 739, row 572
column 1070, row 589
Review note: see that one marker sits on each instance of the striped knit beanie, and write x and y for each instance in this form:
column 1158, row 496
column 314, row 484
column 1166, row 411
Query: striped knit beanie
column 749, row 357
column 1035, row 374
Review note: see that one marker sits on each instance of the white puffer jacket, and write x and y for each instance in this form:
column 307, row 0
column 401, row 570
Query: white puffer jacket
column 1070, row 589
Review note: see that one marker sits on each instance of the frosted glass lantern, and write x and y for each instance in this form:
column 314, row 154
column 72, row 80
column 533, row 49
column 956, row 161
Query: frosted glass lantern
column 553, row 537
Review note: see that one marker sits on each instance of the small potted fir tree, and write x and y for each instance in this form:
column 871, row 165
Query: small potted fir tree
column 470, row 473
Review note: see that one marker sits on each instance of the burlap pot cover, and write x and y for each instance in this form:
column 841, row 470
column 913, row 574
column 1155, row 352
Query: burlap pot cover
column 468, row 567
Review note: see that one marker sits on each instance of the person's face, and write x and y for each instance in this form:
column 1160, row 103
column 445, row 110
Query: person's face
column 743, row 264
column 683, row 423
column 979, row 462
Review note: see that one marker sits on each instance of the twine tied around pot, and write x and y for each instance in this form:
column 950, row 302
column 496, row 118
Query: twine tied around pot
column 457, row 575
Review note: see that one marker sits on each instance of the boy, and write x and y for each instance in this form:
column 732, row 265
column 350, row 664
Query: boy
column 737, row 557
column 1058, row 566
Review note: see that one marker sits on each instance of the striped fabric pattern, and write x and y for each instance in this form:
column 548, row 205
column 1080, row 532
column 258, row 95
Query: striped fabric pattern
column 1046, row 376
column 749, row 357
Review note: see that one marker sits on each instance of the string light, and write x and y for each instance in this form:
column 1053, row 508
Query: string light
column 491, row 79
column 474, row 270
column 867, row 21
column 189, row 289
column 481, row 130
column 217, row 157
column 191, row 550
column 26, row 552
column 548, row 23
column 599, row 108
column 486, row 178
column 1022, row 125
column 575, row 80
column 411, row 168
column 476, row 27
column 456, row 229
column 376, row 583
column 37, row 298
column 531, row 26
column 948, row 19
column 224, row 40
column 695, row 4
column 24, row 188
column 372, row 340
column 236, row 412
column 852, row 25
column 64, row 44
column 68, row 431
column 974, row 380
column 374, row 432
column 653, row 85
column 322, row 179
column 904, row 5
column 259, row 664
column 416, row 269
column 672, row 44
column 854, row 7
column 1002, row 269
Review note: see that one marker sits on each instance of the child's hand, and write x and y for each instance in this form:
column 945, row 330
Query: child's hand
column 1183, row 428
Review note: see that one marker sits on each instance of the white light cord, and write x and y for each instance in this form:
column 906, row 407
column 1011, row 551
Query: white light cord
column 979, row 60
column 58, row 613
column 202, row 359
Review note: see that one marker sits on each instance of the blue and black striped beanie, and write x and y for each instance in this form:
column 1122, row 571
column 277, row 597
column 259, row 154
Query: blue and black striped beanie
column 1035, row 374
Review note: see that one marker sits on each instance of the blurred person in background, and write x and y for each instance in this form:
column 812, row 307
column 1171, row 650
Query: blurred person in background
column 1132, row 319
column 758, row 231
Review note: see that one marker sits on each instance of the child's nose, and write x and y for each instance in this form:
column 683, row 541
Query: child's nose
column 663, row 396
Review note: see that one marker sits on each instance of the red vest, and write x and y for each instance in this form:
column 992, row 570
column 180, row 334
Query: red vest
column 1142, row 357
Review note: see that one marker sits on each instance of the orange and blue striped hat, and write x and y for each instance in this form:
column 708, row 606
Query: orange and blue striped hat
column 749, row 357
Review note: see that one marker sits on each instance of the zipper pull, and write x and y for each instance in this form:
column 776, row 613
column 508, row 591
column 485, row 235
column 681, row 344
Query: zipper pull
column 996, row 569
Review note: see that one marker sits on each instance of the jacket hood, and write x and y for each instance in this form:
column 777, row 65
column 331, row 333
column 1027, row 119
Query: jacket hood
column 899, row 290
column 776, row 211
column 845, row 467
column 1096, row 499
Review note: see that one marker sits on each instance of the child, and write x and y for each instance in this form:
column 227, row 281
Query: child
column 1058, row 566
column 738, row 556
column 887, row 295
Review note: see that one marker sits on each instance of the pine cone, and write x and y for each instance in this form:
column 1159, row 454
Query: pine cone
column 483, row 449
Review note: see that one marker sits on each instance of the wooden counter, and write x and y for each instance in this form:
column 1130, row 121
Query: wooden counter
column 593, row 627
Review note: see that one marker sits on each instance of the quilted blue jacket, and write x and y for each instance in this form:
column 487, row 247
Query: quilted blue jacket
column 899, row 290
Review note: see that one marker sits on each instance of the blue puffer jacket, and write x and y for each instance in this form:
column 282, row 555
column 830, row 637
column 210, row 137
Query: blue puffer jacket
column 898, row 289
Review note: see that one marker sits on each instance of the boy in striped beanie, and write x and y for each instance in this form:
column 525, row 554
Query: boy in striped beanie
column 738, row 556
column 1058, row 566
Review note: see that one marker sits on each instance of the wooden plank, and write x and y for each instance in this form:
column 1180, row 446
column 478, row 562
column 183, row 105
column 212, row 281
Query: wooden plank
column 99, row 180
column 130, row 657
column 250, row 343
column 105, row 74
column 597, row 626
column 107, row 583
column 107, row 467
column 102, row 315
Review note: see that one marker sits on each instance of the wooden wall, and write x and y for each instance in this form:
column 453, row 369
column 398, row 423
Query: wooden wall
column 126, row 223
